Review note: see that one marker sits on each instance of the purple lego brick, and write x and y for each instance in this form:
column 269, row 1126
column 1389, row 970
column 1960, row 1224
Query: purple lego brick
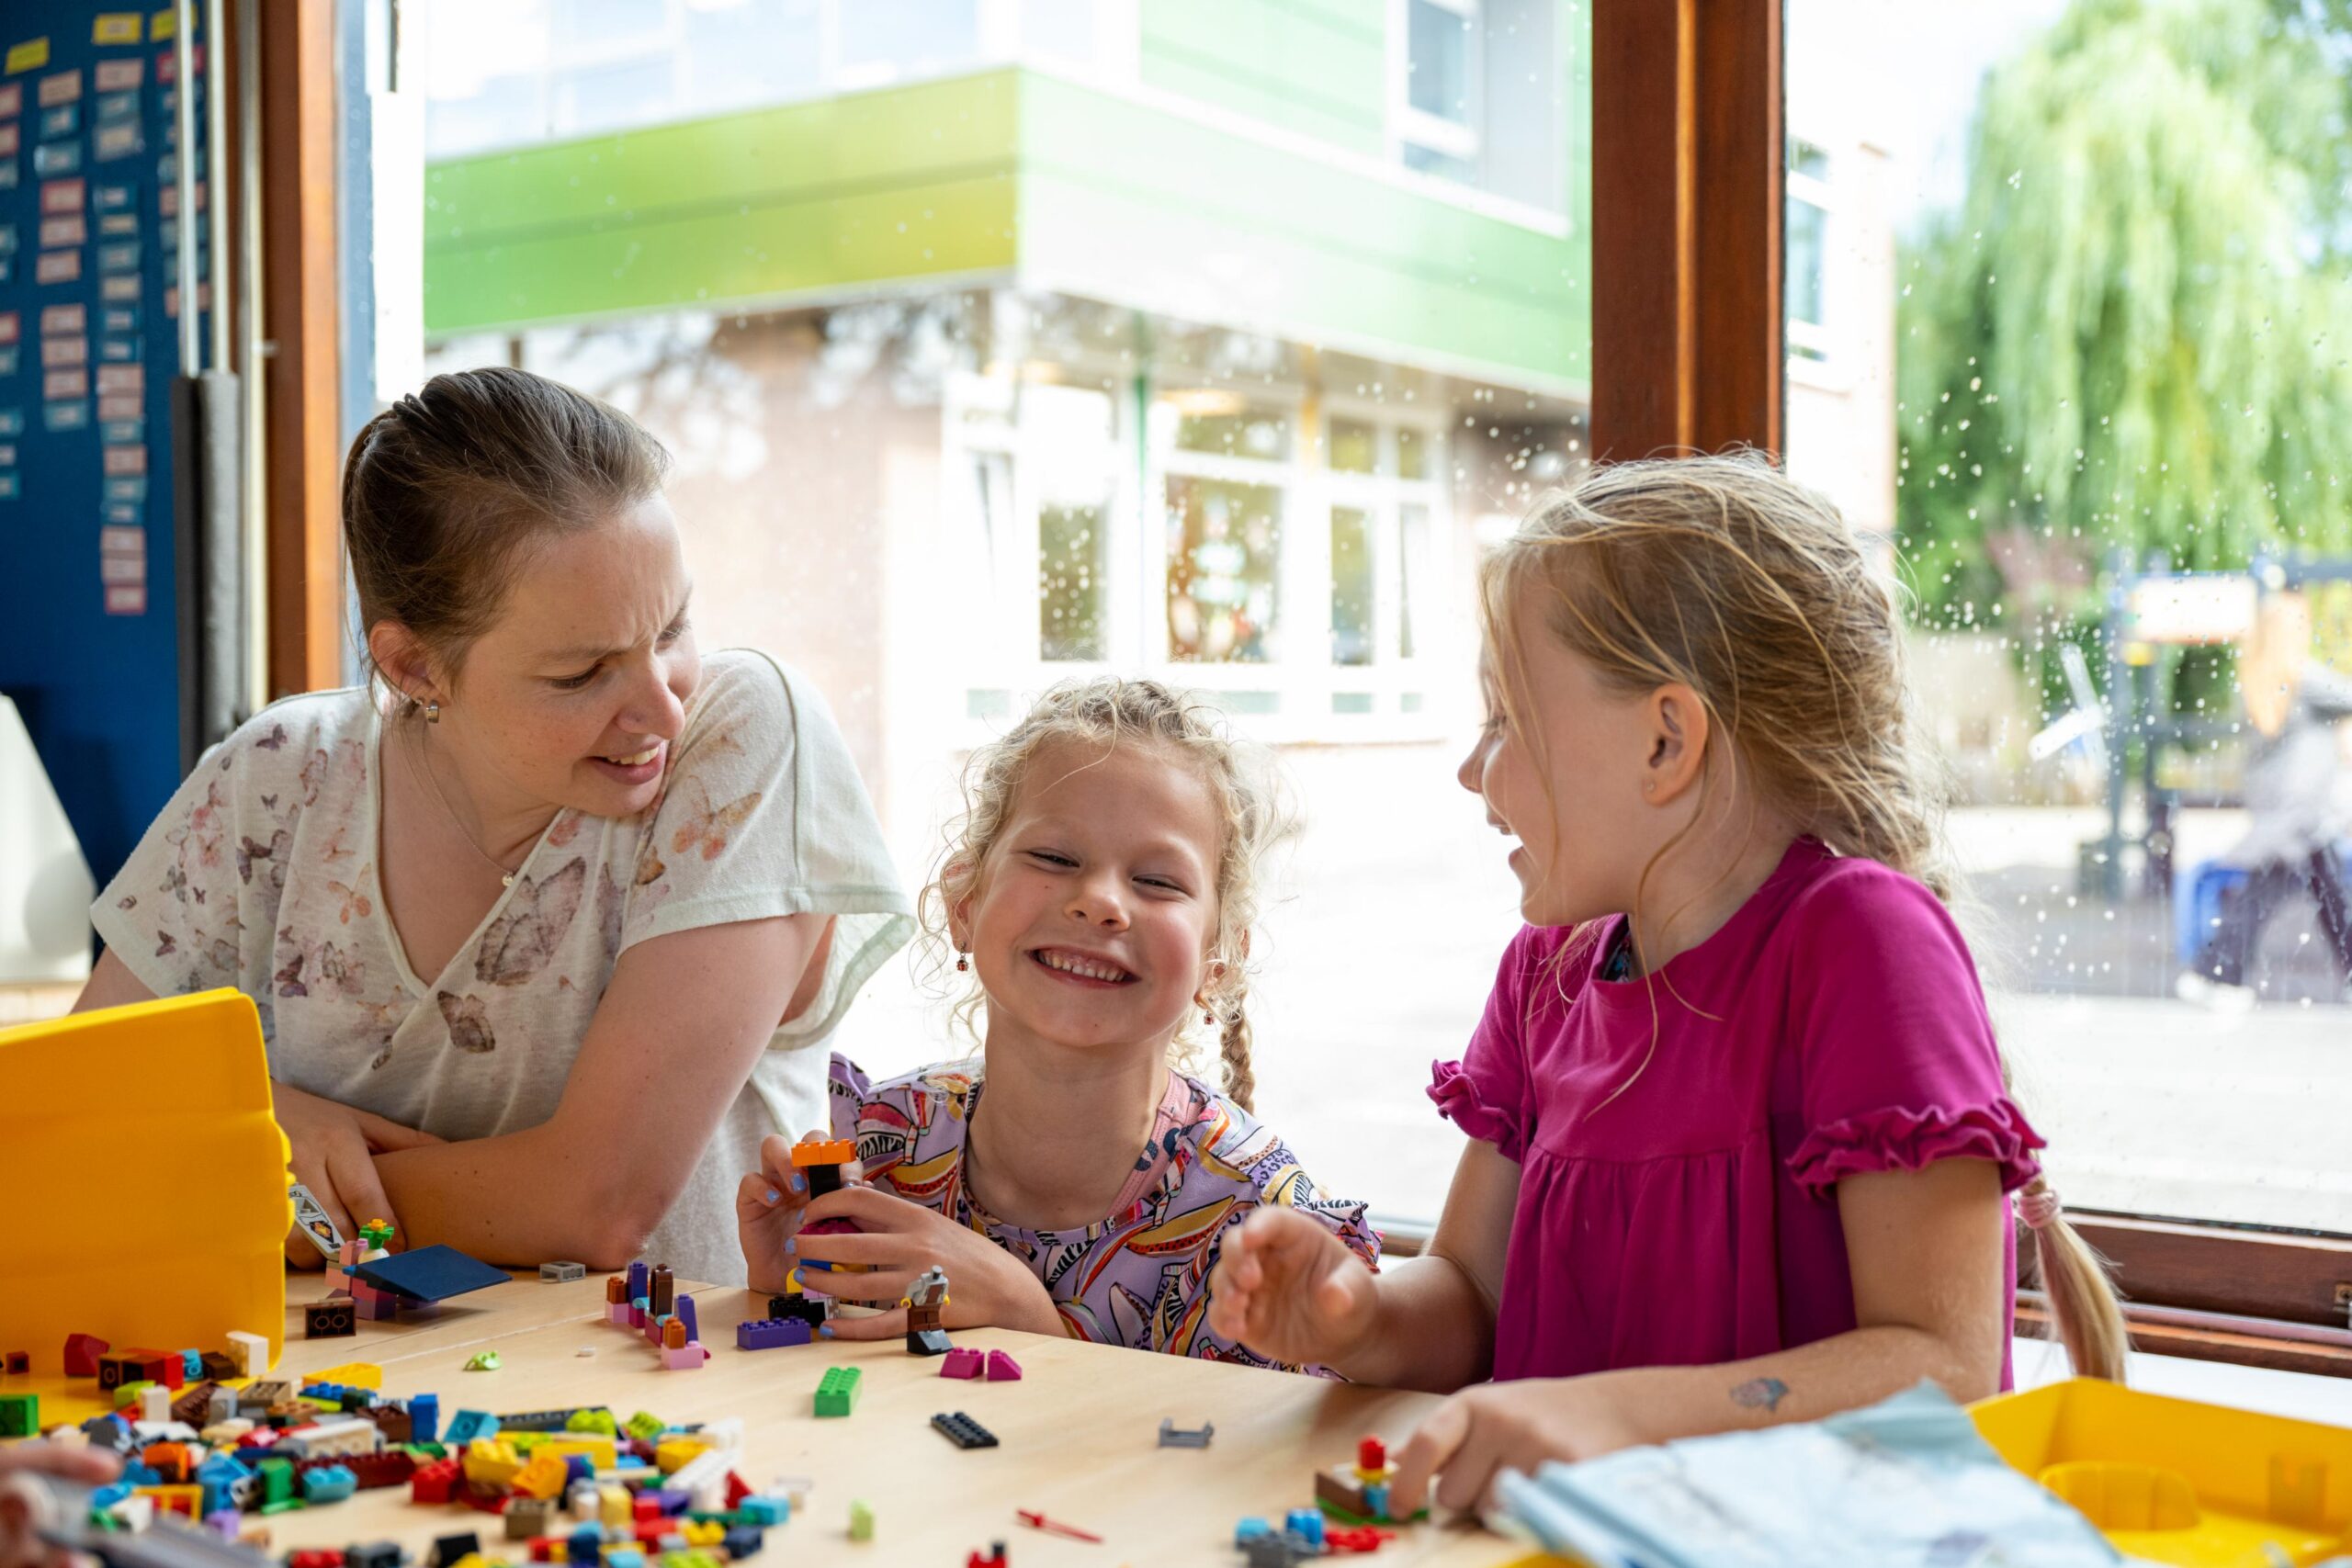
column 961, row 1362
column 769, row 1334
column 686, row 1305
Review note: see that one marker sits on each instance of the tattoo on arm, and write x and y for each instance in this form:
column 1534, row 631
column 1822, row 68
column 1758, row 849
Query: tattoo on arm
column 1760, row 1393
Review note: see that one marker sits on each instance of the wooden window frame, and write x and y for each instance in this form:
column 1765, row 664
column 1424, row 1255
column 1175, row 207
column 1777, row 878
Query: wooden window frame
column 1687, row 356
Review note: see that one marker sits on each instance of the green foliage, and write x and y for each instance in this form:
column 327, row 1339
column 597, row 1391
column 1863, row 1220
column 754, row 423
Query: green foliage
column 2134, row 331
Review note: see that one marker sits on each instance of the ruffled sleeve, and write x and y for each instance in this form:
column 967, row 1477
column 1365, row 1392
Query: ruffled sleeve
column 1898, row 1062
column 1487, row 1093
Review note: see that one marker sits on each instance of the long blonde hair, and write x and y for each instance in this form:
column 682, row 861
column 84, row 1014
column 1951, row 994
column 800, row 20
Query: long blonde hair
column 1110, row 712
column 1722, row 574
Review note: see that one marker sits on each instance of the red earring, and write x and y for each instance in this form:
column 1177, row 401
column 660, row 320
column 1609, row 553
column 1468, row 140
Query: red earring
column 961, row 963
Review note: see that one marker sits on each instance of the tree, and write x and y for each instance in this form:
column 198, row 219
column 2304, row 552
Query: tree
column 2136, row 329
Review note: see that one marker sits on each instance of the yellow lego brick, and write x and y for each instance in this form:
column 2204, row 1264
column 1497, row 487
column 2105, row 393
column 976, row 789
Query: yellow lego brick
column 704, row 1532
column 613, row 1506
column 350, row 1374
column 491, row 1462
column 542, row 1477
column 673, row 1454
column 600, row 1449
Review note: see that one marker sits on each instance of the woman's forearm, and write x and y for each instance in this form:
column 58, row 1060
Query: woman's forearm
column 1435, row 1332
column 520, row 1199
column 1842, row 1372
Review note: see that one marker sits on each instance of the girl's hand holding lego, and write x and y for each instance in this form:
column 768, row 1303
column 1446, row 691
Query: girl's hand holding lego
column 987, row 1286
column 769, row 1210
column 1288, row 1288
column 1480, row 1432
column 333, row 1149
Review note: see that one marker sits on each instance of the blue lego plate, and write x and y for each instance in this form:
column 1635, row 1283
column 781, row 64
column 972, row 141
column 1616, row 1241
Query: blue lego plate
column 429, row 1273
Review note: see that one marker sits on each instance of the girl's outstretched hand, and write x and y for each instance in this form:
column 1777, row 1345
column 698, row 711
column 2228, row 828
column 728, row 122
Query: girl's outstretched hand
column 1291, row 1291
column 1481, row 1431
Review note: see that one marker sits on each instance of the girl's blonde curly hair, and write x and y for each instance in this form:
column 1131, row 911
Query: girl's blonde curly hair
column 1110, row 712
column 1723, row 574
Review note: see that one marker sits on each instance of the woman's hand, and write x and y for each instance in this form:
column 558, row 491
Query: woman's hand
column 1289, row 1290
column 21, row 1497
column 1482, row 1432
column 334, row 1155
column 987, row 1286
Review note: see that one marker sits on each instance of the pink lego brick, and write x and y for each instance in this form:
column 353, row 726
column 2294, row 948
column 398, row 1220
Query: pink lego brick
column 1003, row 1367
column 685, row 1357
column 961, row 1362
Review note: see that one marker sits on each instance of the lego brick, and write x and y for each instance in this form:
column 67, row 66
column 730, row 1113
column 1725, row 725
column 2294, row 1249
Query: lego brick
column 219, row 1366
column 430, row 1273
column 350, row 1374
column 154, row 1402
column 81, row 1353
column 528, row 1516
column 376, row 1554
column 961, row 1363
column 928, row 1342
column 434, row 1482
column 423, row 1418
column 770, row 1334
column 814, row 1150
column 1002, row 1367
column 251, row 1351
column 449, row 1550
column 807, row 1309
column 683, row 1357
column 17, row 1363
column 837, row 1391
column 332, row 1318
column 539, row 1420
column 861, row 1521
column 1171, row 1435
column 556, row 1273
column 19, row 1415
column 330, row 1484
column 468, row 1425
column 963, row 1431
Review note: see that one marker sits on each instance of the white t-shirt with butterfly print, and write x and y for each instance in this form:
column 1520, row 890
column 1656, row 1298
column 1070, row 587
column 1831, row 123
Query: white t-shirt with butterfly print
column 262, row 874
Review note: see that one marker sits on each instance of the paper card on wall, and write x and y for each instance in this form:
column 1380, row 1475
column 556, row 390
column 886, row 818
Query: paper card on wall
column 117, row 142
column 59, row 266
column 66, row 231
column 123, row 569
column 29, row 55
column 9, row 490
column 125, row 460
column 12, row 136
column 112, row 108
column 57, row 158
column 130, row 378
column 60, row 318
column 119, row 406
column 57, row 384
column 121, row 286
column 127, row 600
column 12, row 326
column 167, row 195
column 65, row 416
column 119, row 257
column 122, row 541
column 65, row 119
column 7, row 454
column 120, row 511
column 131, row 488
column 119, row 350
column 111, row 199
column 8, row 359
column 12, row 422
column 57, row 352
column 116, row 27
column 119, row 225
column 12, row 99
column 118, row 319
column 122, row 432
column 63, row 88
column 11, row 174
column 63, row 196
column 167, row 234
column 114, row 75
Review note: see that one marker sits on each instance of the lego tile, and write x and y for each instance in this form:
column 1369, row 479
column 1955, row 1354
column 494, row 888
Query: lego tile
column 963, row 1431
column 556, row 1273
column 430, row 1273
column 837, row 1391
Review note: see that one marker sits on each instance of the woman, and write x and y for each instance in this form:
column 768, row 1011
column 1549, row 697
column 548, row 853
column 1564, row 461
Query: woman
column 542, row 927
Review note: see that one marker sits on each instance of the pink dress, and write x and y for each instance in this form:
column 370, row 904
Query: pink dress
column 1693, row 1219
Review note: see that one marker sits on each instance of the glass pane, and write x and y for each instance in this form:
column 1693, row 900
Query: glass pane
column 2081, row 388
column 1439, row 67
column 1355, row 446
column 1223, row 541
column 1219, row 424
column 1413, row 545
column 1070, row 583
column 1413, row 453
column 1351, row 585
column 910, row 35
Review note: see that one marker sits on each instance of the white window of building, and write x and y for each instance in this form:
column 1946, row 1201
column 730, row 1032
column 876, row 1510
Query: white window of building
column 1440, row 116
column 1805, row 289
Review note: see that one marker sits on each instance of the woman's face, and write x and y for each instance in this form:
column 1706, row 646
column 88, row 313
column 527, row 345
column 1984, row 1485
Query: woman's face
column 577, row 691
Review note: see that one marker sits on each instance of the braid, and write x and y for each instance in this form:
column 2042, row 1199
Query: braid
column 1233, row 1046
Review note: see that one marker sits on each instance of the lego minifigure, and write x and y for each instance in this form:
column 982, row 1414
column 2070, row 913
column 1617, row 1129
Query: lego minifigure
column 925, row 1301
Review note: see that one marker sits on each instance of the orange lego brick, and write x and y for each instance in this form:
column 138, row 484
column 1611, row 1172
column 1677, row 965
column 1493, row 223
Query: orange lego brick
column 823, row 1151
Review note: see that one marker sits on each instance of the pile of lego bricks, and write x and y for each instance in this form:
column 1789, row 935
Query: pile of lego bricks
column 571, row 1486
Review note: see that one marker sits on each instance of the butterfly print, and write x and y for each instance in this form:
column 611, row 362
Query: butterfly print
column 290, row 979
column 706, row 828
column 608, row 910
column 526, row 933
column 271, row 857
column 354, row 896
column 127, row 901
column 469, row 1023
column 166, row 944
column 274, row 740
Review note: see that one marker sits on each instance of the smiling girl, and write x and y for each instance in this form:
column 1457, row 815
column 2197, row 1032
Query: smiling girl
column 1073, row 1180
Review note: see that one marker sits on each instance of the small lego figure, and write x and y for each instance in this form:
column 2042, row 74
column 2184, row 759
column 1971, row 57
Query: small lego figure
column 925, row 1301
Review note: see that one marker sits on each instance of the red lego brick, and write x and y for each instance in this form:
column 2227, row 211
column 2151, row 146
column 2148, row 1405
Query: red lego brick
column 648, row 1506
column 317, row 1557
column 1372, row 1454
column 737, row 1490
column 434, row 1482
column 81, row 1353
column 18, row 1362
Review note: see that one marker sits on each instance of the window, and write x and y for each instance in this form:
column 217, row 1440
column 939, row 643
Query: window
column 1170, row 369
column 1987, row 378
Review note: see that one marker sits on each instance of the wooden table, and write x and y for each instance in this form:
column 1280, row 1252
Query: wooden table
column 1079, row 1434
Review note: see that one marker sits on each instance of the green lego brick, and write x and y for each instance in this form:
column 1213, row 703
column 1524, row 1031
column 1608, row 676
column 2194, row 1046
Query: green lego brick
column 277, row 1480
column 599, row 1421
column 128, row 1393
column 19, row 1415
column 837, row 1391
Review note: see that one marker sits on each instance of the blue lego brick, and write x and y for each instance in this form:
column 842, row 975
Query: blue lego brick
column 423, row 1419
column 468, row 1425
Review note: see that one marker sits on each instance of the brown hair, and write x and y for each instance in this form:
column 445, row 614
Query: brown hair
column 442, row 490
column 1109, row 712
column 1723, row 574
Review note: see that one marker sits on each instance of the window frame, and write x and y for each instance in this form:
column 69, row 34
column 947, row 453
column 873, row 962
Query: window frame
column 1411, row 126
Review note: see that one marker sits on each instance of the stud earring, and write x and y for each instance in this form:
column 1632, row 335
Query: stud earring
column 432, row 713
